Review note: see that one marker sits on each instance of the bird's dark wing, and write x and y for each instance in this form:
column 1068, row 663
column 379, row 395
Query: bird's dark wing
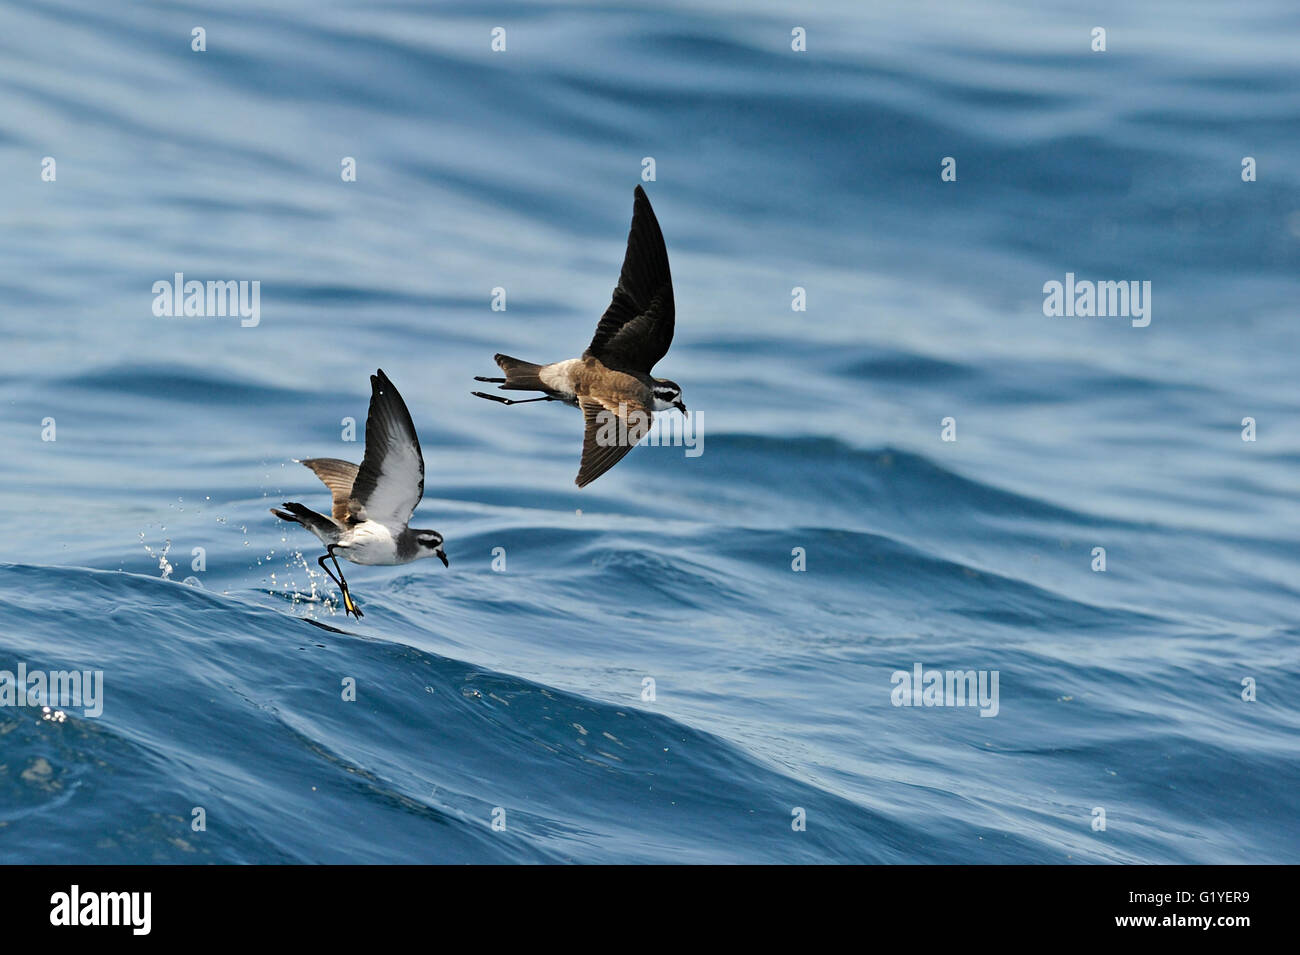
column 611, row 432
column 338, row 476
column 391, row 479
column 637, row 328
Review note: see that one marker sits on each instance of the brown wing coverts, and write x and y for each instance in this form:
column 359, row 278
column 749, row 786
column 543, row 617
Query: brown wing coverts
column 637, row 328
column 339, row 477
column 609, row 436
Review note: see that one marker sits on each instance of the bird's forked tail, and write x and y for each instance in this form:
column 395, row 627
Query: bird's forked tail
column 520, row 375
column 318, row 524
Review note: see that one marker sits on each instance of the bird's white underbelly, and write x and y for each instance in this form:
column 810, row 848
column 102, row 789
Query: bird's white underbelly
column 369, row 543
column 559, row 376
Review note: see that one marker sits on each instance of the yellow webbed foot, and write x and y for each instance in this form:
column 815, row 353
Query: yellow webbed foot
column 350, row 606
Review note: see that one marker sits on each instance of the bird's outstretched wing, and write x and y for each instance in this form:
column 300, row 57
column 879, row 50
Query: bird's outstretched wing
column 390, row 481
column 611, row 432
column 338, row 476
column 637, row 328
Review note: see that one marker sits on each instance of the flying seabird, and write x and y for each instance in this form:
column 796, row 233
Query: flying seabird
column 373, row 503
column 611, row 382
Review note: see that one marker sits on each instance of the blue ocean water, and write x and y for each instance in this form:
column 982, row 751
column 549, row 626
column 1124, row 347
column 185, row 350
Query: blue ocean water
column 517, row 694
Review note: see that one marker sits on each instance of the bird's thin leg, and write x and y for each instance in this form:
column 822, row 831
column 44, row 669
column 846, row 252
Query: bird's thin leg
column 321, row 560
column 349, row 605
column 338, row 581
column 512, row 401
column 495, row 381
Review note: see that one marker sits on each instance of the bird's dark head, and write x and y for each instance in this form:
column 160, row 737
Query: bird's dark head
column 430, row 545
column 668, row 394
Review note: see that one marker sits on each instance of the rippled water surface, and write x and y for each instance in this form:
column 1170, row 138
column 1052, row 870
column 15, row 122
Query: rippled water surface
column 516, row 692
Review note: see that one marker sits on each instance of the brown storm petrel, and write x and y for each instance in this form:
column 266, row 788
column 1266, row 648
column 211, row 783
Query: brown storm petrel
column 611, row 382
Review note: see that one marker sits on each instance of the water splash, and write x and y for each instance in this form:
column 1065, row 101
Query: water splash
column 164, row 564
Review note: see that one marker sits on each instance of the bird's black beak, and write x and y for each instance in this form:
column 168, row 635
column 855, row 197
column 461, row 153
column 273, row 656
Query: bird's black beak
column 442, row 556
column 680, row 405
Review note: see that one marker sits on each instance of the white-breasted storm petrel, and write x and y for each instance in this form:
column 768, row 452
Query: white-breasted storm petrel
column 373, row 503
